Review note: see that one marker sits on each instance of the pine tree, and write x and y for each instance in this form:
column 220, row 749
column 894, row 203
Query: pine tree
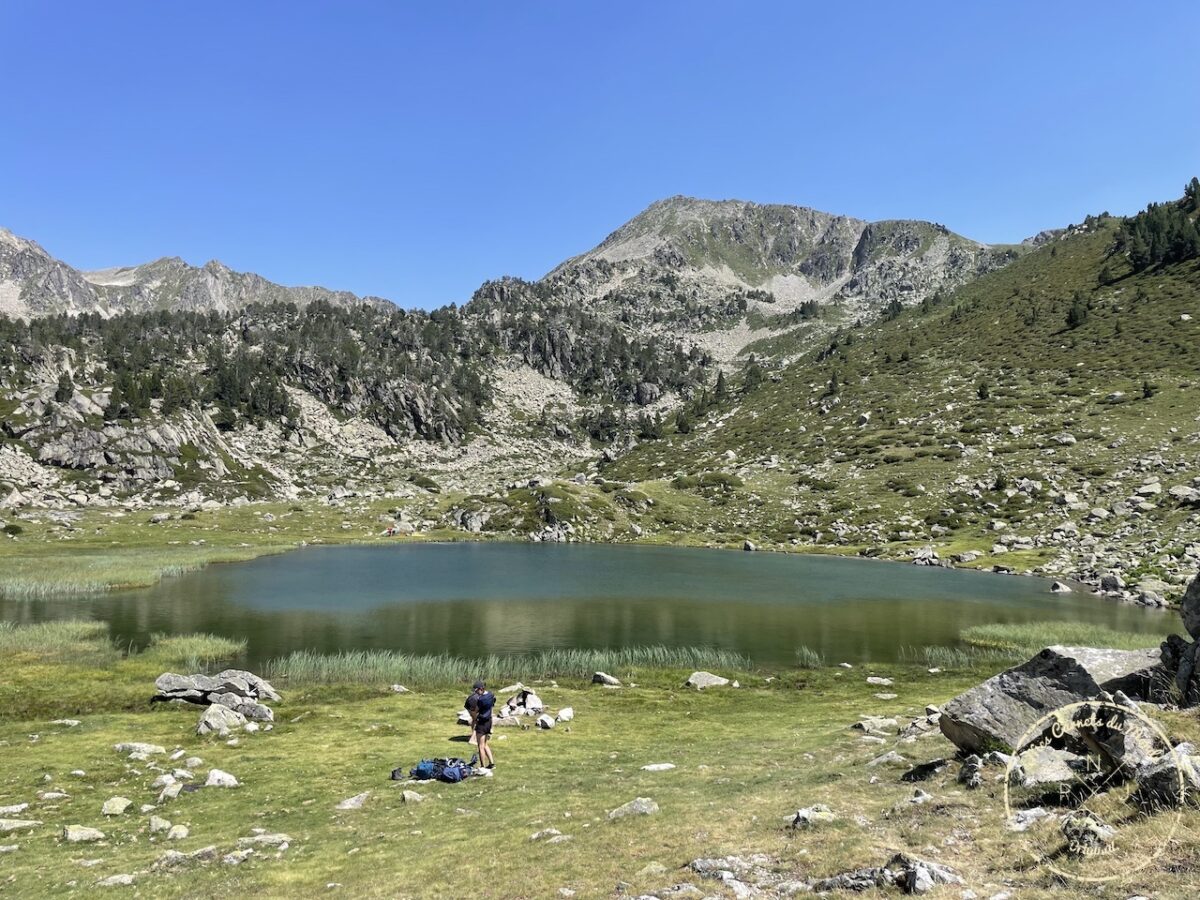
column 66, row 388
column 721, row 391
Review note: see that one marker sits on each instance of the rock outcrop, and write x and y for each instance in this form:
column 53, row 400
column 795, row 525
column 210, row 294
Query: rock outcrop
column 241, row 692
column 998, row 712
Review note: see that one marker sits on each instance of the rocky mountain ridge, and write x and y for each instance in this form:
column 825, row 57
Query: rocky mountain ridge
column 34, row 284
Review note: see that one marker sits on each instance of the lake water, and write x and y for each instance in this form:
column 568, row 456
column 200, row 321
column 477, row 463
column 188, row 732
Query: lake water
column 475, row 599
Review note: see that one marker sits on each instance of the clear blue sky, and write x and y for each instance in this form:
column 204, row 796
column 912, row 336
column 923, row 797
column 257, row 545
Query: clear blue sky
column 414, row 150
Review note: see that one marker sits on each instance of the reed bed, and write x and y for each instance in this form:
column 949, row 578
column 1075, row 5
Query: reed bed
column 68, row 640
column 959, row 657
column 389, row 666
column 1027, row 638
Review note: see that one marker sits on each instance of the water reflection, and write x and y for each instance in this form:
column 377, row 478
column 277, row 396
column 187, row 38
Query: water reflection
column 475, row 599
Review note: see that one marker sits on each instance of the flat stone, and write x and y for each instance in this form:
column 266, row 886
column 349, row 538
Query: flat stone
column 137, row 747
column 605, row 678
column 81, row 834
column 115, row 881
column 271, row 839
column 116, row 806
column 702, row 680
column 7, row 825
column 15, row 810
column 355, row 802
column 412, row 797
column 177, row 833
column 658, row 767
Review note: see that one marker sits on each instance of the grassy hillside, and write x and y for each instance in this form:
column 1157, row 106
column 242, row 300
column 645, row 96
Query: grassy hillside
column 1063, row 383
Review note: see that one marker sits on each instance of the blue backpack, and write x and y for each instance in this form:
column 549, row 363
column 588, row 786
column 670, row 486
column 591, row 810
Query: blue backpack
column 451, row 770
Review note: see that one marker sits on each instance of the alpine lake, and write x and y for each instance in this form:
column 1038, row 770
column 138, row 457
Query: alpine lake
column 478, row 599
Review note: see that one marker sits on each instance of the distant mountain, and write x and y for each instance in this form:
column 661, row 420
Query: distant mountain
column 700, row 263
column 33, row 284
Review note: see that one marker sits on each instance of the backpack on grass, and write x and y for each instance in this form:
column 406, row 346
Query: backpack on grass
column 451, row 770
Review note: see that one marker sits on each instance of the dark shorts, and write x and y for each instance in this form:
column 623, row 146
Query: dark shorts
column 484, row 726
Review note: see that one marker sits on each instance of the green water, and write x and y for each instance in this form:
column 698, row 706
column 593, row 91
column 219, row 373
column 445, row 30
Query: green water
column 476, row 599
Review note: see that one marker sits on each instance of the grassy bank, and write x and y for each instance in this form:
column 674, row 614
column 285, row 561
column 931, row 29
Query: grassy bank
column 745, row 759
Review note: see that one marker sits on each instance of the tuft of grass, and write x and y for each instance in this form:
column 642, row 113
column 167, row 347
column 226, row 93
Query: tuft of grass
column 193, row 652
column 1027, row 638
column 808, row 658
column 384, row 666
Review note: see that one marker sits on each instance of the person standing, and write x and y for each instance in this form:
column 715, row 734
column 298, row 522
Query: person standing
column 480, row 704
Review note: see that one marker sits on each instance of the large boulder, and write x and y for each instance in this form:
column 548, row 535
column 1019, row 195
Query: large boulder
column 1189, row 608
column 995, row 714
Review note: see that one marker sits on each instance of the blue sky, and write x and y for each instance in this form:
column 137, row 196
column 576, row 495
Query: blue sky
column 414, row 150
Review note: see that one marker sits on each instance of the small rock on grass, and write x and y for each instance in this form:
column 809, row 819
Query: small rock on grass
column 355, row 802
column 9, row 848
column 876, row 679
column 138, row 747
column 606, row 679
column 639, row 806
column 115, row 881
column 15, row 810
column 158, row 823
column 237, row 857
column 7, row 825
column 217, row 778
column 702, row 680
column 658, row 767
column 412, row 797
column 81, row 834
column 816, row 814
column 544, row 833
column 177, row 833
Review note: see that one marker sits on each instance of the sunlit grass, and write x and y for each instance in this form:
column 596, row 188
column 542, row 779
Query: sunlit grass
column 1027, row 638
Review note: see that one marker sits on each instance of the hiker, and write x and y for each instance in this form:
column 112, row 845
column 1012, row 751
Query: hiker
column 479, row 705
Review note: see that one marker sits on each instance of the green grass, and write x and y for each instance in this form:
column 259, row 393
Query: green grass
column 745, row 759
column 386, row 667
column 1027, row 638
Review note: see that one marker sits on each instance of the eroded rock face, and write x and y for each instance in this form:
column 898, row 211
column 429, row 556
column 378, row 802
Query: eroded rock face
column 999, row 711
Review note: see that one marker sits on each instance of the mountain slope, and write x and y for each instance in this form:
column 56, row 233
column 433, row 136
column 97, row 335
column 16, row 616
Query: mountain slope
column 1043, row 415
